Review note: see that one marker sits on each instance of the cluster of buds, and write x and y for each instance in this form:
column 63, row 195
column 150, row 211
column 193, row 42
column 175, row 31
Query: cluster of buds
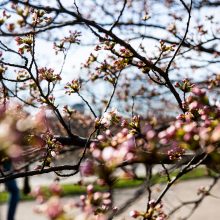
column 91, row 59
column 53, row 147
column 198, row 127
column 41, row 194
column 108, row 119
column 106, row 69
column 5, row 16
column 39, row 17
column 24, row 43
column 69, row 111
column 166, row 48
column 134, row 125
column 95, row 203
column 22, row 74
column 125, row 52
column 121, row 63
column 154, row 212
column 73, row 87
column 185, row 85
column 113, row 150
column 125, row 60
column 23, row 13
column 73, row 38
column 49, row 202
column 107, row 45
column 48, row 101
column 175, row 153
column 48, row 75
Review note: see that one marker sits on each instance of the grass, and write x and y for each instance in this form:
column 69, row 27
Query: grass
column 73, row 189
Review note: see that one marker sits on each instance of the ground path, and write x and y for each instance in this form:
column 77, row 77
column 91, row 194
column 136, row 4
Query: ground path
column 209, row 209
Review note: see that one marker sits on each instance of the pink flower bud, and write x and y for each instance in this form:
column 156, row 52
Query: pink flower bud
column 101, row 137
column 151, row 203
column 197, row 91
column 82, row 198
column 150, row 134
column 90, row 189
column 177, row 85
column 107, row 202
column 115, row 209
column 108, row 132
column 134, row 214
column 96, row 153
column 93, row 145
column 187, row 137
column 171, row 131
column 97, row 196
column 194, row 105
column 129, row 144
column 124, row 131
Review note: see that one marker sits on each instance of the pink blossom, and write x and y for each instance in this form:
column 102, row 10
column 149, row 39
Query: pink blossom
column 108, row 153
column 162, row 134
column 107, row 202
column 129, row 144
column 90, row 189
column 189, row 127
column 54, row 208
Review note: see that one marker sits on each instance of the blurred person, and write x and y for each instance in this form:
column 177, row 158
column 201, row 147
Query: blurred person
column 12, row 188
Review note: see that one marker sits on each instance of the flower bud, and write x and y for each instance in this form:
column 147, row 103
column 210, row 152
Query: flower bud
column 134, row 214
